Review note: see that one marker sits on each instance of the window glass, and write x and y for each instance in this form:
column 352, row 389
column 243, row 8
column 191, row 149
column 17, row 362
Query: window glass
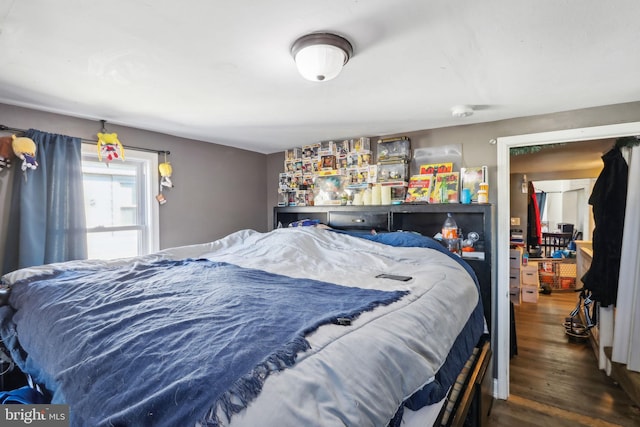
column 119, row 204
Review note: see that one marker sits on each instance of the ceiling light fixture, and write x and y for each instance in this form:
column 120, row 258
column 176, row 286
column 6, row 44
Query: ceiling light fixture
column 321, row 56
column 462, row 111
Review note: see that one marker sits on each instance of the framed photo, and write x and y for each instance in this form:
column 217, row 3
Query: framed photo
column 471, row 178
column 435, row 168
column 419, row 188
column 445, row 188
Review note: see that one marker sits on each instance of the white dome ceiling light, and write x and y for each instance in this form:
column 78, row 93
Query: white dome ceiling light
column 461, row 111
column 321, row 56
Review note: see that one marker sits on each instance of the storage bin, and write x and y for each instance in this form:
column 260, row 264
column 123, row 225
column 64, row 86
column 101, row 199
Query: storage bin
column 515, row 258
column 529, row 274
column 515, row 295
column 529, row 293
column 514, row 278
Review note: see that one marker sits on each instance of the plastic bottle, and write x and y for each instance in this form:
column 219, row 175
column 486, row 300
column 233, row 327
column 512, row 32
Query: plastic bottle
column 450, row 234
column 450, row 228
column 525, row 258
column 483, row 193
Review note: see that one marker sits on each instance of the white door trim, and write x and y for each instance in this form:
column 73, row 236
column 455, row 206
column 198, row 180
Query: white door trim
column 501, row 389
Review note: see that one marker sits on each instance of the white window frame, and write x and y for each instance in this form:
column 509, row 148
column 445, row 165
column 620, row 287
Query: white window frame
column 149, row 213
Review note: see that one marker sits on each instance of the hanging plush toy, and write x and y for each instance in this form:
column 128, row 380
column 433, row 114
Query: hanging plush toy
column 109, row 147
column 165, row 175
column 6, row 152
column 25, row 149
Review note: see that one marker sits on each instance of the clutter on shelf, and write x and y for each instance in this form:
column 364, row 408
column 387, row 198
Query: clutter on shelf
column 352, row 172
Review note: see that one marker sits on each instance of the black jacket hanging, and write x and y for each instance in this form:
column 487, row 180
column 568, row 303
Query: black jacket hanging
column 534, row 233
column 609, row 199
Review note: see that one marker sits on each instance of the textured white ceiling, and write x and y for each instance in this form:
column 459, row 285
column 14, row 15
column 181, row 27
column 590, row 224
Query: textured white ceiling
column 221, row 71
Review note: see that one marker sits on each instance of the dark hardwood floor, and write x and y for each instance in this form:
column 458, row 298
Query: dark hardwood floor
column 554, row 381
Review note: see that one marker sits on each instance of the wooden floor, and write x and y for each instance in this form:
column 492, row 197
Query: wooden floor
column 555, row 382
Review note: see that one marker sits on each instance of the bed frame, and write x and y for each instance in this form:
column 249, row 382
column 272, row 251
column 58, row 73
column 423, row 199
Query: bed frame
column 469, row 401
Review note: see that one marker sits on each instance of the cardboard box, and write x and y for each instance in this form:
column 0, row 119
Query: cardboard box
column 515, row 295
column 514, row 277
column 529, row 274
column 529, row 293
column 515, row 258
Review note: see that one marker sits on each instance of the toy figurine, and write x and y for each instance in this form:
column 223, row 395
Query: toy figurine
column 25, row 149
column 110, row 147
column 165, row 173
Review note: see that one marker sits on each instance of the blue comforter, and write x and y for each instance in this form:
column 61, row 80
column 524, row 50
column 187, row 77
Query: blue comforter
column 170, row 342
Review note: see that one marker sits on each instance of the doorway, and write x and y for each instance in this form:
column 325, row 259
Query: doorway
column 504, row 144
column 564, row 203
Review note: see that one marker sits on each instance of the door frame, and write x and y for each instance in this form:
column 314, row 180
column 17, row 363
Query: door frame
column 504, row 144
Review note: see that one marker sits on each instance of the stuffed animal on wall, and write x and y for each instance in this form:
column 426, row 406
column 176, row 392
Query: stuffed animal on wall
column 6, row 152
column 109, row 147
column 25, row 149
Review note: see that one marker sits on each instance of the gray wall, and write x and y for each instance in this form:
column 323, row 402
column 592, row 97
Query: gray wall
column 220, row 189
column 217, row 190
column 476, row 149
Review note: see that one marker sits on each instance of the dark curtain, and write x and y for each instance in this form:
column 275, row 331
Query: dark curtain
column 47, row 220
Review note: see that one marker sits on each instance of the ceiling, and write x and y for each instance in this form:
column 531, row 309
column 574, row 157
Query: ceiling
column 221, row 71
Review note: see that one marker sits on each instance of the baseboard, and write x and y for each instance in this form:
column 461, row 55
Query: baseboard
column 629, row 380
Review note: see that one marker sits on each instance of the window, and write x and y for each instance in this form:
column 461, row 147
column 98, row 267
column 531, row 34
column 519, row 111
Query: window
column 122, row 213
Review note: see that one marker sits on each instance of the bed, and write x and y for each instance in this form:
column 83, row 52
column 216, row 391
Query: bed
column 291, row 327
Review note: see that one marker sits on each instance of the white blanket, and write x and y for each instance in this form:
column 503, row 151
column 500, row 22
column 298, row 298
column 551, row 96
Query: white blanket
column 356, row 375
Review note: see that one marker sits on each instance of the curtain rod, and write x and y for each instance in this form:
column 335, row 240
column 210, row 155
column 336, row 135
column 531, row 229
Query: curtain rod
column 150, row 150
